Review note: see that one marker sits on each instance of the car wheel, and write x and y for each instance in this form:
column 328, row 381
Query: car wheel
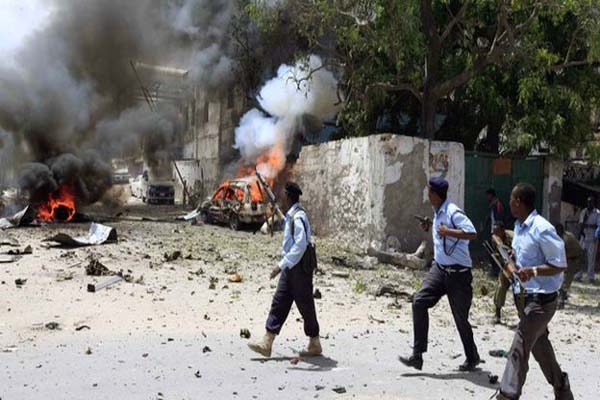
column 234, row 222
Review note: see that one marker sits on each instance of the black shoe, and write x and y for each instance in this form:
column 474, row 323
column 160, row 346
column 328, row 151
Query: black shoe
column 415, row 361
column 469, row 366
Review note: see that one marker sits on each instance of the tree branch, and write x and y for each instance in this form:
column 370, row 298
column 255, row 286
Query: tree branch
column 455, row 20
column 398, row 87
column 570, row 64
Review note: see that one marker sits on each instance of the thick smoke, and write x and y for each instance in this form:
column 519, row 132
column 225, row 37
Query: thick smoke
column 69, row 105
column 303, row 92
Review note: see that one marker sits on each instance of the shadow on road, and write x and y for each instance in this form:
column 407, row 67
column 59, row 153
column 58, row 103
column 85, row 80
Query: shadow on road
column 479, row 377
column 315, row 364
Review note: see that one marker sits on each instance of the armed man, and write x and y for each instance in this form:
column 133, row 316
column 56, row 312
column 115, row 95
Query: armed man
column 295, row 281
column 539, row 262
column 576, row 259
column 450, row 275
column 501, row 237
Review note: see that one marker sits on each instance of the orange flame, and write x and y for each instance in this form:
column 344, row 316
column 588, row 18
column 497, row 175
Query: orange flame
column 59, row 206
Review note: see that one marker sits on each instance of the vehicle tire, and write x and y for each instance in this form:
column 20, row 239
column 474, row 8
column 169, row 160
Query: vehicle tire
column 234, row 222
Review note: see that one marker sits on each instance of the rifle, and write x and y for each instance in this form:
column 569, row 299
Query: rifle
column 272, row 200
column 512, row 276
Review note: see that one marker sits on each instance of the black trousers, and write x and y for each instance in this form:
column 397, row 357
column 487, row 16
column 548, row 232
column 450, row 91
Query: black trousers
column 295, row 286
column 457, row 286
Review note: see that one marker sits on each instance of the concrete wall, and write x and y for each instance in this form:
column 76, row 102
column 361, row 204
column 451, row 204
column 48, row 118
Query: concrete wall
column 367, row 189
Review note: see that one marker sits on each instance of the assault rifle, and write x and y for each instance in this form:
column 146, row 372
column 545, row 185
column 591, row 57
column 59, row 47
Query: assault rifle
column 272, row 200
column 503, row 263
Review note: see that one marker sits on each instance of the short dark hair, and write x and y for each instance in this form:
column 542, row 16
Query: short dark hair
column 526, row 193
column 491, row 191
column 293, row 197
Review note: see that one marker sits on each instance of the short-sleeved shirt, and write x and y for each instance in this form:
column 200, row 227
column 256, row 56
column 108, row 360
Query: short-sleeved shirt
column 537, row 243
column 451, row 251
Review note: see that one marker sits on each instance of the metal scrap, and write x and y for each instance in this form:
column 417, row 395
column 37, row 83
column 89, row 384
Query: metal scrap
column 98, row 234
column 96, row 268
column 22, row 218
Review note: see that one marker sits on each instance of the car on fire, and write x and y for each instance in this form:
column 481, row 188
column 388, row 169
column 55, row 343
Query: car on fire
column 236, row 202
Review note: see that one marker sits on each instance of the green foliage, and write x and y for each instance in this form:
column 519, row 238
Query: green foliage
column 381, row 48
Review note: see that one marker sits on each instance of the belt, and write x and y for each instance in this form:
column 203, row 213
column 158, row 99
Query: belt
column 542, row 298
column 452, row 269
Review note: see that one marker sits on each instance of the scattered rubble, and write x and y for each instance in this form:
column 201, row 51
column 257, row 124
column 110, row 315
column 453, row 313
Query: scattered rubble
column 7, row 259
column 18, row 252
column 96, row 268
column 172, row 256
column 245, row 333
column 52, row 326
column 415, row 261
column 63, row 275
column 99, row 286
column 24, row 217
column 317, row 294
column 20, row 282
column 235, row 278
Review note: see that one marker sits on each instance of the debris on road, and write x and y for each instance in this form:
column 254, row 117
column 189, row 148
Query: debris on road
column 23, row 218
column 382, row 290
column 99, row 286
column 98, row 234
column 235, row 278
column 82, row 327
column 206, row 349
column 6, row 240
column 17, row 252
column 52, row 326
column 415, row 261
column 63, row 275
column 317, row 294
column 7, row 259
column 245, row 333
column 172, row 256
column 340, row 274
column 20, row 282
column 498, row 353
column 96, row 268
column 339, row 389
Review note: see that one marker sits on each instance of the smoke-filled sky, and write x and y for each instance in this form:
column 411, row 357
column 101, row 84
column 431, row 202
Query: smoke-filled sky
column 18, row 20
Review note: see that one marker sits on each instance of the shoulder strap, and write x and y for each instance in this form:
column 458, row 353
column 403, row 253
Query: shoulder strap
column 293, row 217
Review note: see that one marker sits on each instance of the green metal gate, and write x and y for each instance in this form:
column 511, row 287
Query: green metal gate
column 484, row 171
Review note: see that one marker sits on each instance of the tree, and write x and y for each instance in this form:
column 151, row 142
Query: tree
column 434, row 57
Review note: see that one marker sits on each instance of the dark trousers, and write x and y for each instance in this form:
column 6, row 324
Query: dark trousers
column 457, row 286
column 294, row 285
column 531, row 338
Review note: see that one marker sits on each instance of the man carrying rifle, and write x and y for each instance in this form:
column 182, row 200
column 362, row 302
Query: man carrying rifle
column 450, row 275
column 295, row 282
column 501, row 237
column 540, row 262
column 575, row 260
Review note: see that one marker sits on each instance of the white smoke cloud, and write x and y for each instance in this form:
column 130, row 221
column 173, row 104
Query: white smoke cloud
column 306, row 88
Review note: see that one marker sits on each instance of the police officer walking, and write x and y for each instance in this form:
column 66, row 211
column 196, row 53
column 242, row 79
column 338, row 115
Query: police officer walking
column 450, row 275
column 540, row 262
column 295, row 282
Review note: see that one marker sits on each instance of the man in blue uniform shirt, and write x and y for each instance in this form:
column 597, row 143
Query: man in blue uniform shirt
column 295, row 282
column 450, row 275
column 540, row 263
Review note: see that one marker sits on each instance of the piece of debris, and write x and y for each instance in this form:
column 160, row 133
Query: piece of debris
column 317, row 294
column 7, row 259
column 52, row 326
column 20, row 282
column 198, row 272
column 98, row 234
column 319, row 387
column 235, row 278
column 82, row 327
column 88, row 351
column 172, row 256
column 245, row 333
column 415, row 260
column 99, row 286
column 23, row 218
column 206, row 349
column 379, row 321
column 213, row 283
column 493, row 379
column 96, row 268
column 295, row 360
column 6, row 240
column 17, row 252
column 393, row 291
column 339, row 389
column 498, row 353
column 340, row 274
column 63, row 275
column 198, row 374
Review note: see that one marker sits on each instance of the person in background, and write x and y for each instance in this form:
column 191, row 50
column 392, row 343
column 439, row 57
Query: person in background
column 588, row 222
column 501, row 237
column 575, row 262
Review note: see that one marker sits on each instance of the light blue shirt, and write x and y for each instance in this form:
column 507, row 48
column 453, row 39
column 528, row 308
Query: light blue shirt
column 294, row 247
column 455, row 251
column 536, row 243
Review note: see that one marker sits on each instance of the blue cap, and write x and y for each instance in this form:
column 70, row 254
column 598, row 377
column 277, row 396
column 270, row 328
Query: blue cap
column 438, row 185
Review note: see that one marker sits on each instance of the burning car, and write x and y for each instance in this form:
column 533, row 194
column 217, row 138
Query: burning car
column 236, row 202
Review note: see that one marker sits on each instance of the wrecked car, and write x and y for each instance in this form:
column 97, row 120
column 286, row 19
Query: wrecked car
column 236, row 202
column 153, row 191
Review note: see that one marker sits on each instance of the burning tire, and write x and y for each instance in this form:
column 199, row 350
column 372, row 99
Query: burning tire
column 234, row 222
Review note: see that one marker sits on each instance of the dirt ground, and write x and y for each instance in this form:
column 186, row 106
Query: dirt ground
column 173, row 337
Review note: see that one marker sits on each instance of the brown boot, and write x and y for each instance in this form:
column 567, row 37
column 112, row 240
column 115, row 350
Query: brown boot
column 313, row 349
column 265, row 346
